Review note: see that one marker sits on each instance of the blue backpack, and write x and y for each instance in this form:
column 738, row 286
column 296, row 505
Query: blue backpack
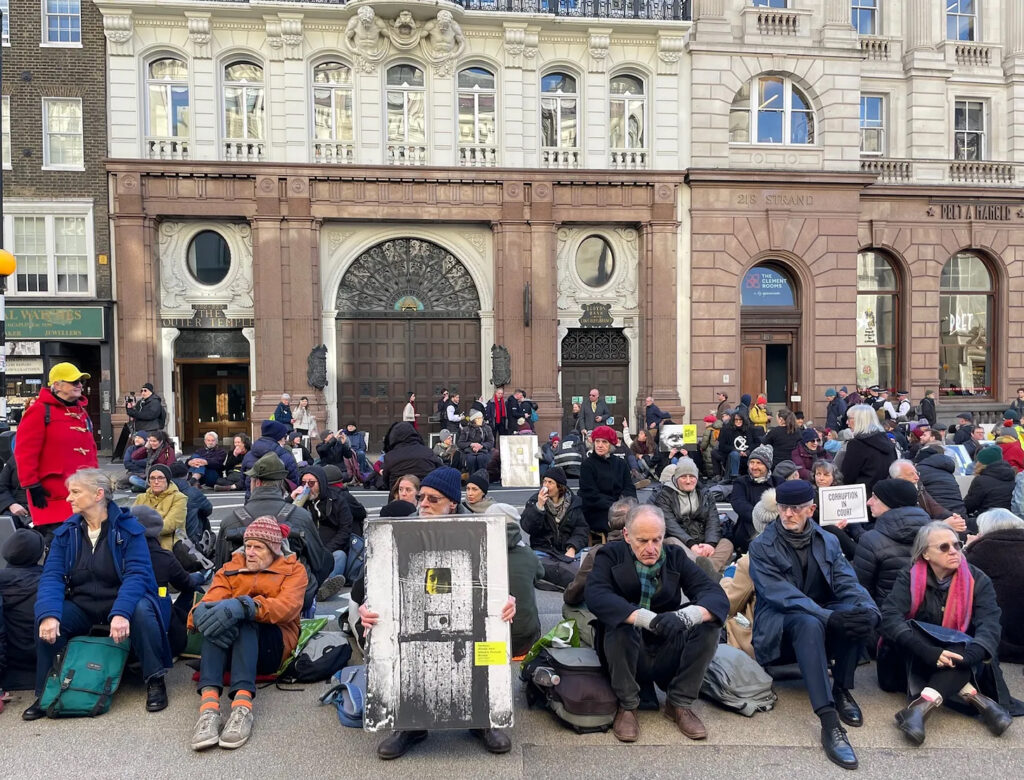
column 348, row 695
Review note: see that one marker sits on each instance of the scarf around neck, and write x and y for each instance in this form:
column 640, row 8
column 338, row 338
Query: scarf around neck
column 796, row 540
column 649, row 579
column 959, row 598
column 499, row 410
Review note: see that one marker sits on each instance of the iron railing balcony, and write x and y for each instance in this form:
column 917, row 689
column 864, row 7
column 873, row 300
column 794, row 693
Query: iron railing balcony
column 671, row 10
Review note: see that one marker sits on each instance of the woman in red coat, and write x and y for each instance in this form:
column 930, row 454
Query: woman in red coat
column 54, row 441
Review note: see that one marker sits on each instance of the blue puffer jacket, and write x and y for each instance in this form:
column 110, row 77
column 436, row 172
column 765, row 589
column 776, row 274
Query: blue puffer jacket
column 261, row 447
column 777, row 585
column 131, row 558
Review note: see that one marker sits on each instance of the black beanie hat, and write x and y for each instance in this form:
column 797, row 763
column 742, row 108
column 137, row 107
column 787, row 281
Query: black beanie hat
column 481, row 480
column 161, row 468
column 557, row 473
column 23, row 548
column 895, row 492
column 398, row 509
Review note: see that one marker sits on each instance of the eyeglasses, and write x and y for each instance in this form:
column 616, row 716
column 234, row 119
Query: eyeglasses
column 158, row 478
column 421, row 497
column 945, row 546
column 309, row 482
column 794, row 507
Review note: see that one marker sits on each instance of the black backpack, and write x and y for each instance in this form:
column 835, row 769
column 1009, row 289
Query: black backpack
column 325, row 653
column 572, row 684
column 232, row 531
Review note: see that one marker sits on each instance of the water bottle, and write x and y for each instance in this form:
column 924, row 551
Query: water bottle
column 545, row 677
column 303, row 497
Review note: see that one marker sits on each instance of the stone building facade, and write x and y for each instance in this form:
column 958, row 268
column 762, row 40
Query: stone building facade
column 55, row 201
column 407, row 184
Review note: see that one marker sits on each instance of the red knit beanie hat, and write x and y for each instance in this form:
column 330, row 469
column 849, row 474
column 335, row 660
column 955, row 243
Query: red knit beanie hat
column 267, row 530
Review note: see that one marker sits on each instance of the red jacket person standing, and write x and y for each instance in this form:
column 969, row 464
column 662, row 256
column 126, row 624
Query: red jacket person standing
column 54, row 440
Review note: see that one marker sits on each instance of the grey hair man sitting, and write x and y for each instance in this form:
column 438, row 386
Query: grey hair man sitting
column 645, row 632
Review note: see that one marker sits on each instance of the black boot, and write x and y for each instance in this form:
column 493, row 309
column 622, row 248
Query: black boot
column 33, row 712
column 398, row 743
column 996, row 719
column 910, row 720
column 156, row 695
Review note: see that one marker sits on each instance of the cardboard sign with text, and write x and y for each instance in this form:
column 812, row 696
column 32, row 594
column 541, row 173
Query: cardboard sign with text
column 842, row 502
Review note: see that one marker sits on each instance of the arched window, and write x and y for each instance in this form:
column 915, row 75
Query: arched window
column 877, row 321
column 779, row 113
column 558, row 104
column 244, row 96
column 966, row 299
column 628, row 113
column 332, row 102
column 167, row 94
column 406, row 97
column 477, row 120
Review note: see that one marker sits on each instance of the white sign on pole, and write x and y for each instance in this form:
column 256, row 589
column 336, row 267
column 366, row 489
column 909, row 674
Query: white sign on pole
column 842, row 502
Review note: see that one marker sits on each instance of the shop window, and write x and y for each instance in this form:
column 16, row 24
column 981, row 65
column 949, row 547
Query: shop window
column 209, row 258
column 778, row 114
column 595, row 262
column 966, row 300
column 878, row 321
column 766, row 286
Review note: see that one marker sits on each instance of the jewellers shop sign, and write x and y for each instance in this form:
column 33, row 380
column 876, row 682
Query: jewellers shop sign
column 47, row 323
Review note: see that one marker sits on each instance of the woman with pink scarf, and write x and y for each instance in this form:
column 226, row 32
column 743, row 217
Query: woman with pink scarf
column 941, row 629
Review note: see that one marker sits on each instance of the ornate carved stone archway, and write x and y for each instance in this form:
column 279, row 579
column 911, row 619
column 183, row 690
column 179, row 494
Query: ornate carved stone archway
column 407, row 277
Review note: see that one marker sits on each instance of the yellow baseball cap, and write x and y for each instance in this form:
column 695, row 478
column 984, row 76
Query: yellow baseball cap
column 66, row 372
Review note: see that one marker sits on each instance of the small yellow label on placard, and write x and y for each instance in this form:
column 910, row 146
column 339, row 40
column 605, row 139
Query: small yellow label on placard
column 689, row 434
column 490, row 654
column 162, row 592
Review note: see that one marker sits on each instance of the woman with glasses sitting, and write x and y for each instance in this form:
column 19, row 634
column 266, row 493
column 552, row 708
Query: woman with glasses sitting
column 940, row 627
column 164, row 496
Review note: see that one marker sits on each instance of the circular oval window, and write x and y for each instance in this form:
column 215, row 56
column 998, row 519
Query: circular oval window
column 595, row 262
column 209, row 257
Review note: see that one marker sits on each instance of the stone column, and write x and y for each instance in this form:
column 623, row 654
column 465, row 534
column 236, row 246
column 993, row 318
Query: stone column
column 137, row 283
column 542, row 335
column 657, row 294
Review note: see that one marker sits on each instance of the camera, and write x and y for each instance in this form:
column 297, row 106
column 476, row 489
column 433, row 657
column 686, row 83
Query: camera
column 129, row 400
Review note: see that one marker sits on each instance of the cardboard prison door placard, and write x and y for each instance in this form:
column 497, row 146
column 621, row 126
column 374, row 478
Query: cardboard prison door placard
column 439, row 656
column 520, row 466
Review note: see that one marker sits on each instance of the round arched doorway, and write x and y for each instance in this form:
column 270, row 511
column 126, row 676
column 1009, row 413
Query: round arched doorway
column 408, row 320
column 770, row 333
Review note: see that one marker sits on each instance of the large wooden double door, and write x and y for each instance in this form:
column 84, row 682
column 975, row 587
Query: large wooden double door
column 215, row 398
column 381, row 361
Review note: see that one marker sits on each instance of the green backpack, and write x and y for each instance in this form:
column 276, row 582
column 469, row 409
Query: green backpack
column 84, row 677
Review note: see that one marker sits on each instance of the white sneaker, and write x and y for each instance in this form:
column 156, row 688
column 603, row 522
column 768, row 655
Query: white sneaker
column 206, row 734
column 239, row 727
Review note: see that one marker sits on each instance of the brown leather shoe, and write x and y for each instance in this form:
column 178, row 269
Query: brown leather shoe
column 687, row 721
column 626, row 727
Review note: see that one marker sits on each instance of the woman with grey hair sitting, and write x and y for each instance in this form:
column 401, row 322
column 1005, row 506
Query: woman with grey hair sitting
column 940, row 624
column 998, row 550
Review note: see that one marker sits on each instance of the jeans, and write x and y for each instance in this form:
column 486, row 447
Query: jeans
column 733, row 463
column 207, row 476
column 145, row 634
column 633, row 656
column 257, row 650
column 137, row 481
column 807, row 639
column 340, row 562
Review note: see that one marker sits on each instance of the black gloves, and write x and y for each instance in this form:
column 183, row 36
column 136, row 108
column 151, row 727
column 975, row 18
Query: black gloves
column 973, row 655
column 667, row 625
column 853, row 623
column 39, row 495
column 924, row 650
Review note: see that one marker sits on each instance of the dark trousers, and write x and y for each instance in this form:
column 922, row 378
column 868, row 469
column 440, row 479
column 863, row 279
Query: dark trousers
column 806, row 639
column 474, row 461
column 144, row 633
column 257, row 650
column 677, row 666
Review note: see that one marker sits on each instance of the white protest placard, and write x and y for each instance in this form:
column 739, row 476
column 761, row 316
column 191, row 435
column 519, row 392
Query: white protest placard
column 842, row 502
column 962, row 459
column 519, row 463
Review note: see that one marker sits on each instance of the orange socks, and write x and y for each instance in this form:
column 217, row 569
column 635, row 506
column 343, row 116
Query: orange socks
column 209, row 700
column 242, row 699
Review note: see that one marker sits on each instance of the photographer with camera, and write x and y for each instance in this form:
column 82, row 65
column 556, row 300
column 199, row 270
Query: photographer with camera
column 519, row 406
column 148, row 414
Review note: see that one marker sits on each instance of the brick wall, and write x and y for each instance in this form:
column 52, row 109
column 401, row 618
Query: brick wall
column 32, row 72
